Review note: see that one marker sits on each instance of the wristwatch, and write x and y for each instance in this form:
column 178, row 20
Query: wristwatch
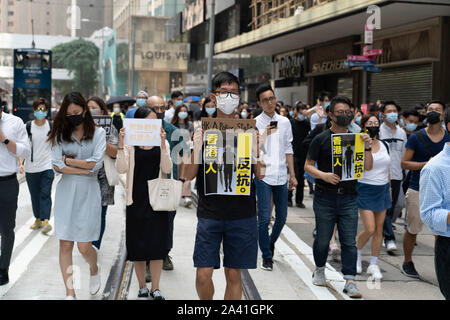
column 368, row 149
column 6, row 141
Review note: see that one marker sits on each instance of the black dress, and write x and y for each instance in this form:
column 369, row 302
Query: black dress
column 147, row 231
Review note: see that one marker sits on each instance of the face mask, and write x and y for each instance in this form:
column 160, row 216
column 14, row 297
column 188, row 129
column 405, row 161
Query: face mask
column 411, row 127
column 161, row 115
column 40, row 115
column 421, row 117
column 210, row 111
column 95, row 112
column 391, row 117
column 326, row 105
column 301, row 117
column 402, row 122
column 358, row 120
column 344, row 120
column 291, row 113
column 141, row 102
column 76, row 120
column 244, row 115
column 373, row 131
column 116, row 110
column 178, row 103
column 433, row 117
column 182, row 115
column 227, row 105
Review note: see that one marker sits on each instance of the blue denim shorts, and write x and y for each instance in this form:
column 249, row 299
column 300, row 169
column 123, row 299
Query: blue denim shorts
column 240, row 243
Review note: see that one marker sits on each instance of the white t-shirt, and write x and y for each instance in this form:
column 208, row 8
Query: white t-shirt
column 379, row 175
column 42, row 150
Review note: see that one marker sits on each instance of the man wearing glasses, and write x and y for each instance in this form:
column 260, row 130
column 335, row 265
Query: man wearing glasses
column 335, row 201
column 277, row 146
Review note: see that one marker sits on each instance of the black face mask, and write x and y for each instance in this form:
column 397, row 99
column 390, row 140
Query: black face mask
column 344, row 120
column 76, row 120
column 373, row 131
column 421, row 117
column 433, row 117
column 160, row 115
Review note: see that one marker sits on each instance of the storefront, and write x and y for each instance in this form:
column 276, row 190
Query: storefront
column 413, row 66
column 326, row 70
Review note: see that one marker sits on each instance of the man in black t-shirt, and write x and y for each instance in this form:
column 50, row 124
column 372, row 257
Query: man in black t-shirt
column 230, row 220
column 335, row 200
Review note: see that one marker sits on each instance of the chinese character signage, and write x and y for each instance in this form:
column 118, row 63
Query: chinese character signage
column 348, row 156
column 228, row 146
column 105, row 122
column 142, row 132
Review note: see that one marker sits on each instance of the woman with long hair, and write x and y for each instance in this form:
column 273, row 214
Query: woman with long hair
column 78, row 148
column 98, row 108
column 208, row 109
column 147, row 231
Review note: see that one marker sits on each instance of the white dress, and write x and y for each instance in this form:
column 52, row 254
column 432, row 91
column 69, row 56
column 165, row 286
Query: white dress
column 78, row 207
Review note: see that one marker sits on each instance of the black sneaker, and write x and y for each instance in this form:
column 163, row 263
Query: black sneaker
column 272, row 249
column 409, row 270
column 4, row 279
column 301, row 205
column 156, row 295
column 267, row 264
column 143, row 294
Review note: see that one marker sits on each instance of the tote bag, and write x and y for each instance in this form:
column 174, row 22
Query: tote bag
column 164, row 194
column 111, row 172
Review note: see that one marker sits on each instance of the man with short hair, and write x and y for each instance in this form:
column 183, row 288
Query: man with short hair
column 422, row 111
column 224, row 220
column 13, row 144
column 395, row 138
column 434, row 198
column 335, row 201
column 177, row 98
column 411, row 121
column 141, row 100
column 422, row 145
column 320, row 115
column 277, row 148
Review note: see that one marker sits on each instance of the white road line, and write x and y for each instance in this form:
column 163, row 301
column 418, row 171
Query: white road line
column 302, row 271
column 23, row 233
column 336, row 280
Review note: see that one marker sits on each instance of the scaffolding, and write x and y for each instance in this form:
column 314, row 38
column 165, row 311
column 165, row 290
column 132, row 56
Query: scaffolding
column 268, row 11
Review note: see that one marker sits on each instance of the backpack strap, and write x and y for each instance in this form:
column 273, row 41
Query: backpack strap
column 30, row 136
column 386, row 145
column 420, row 135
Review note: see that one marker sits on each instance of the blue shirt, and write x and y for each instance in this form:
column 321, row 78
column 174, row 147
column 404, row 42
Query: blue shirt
column 131, row 112
column 421, row 153
column 435, row 193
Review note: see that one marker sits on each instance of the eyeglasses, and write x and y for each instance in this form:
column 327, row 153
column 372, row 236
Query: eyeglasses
column 372, row 124
column 340, row 113
column 226, row 94
column 159, row 108
column 269, row 100
column 41, row 109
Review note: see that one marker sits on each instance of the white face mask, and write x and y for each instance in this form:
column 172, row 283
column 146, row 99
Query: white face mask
column 117, row 110
column 227, row 105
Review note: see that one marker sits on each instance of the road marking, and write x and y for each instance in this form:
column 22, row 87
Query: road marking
column 336, row 280
column 302, row 271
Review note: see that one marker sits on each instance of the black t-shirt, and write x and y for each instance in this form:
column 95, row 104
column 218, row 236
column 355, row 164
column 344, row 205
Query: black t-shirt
column 224, row 207
column 320, row 151
column 300, row 130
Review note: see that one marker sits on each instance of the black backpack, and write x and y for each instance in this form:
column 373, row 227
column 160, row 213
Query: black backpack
column 30, row 136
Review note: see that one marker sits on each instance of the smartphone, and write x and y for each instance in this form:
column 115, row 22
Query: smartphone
column 274, row 124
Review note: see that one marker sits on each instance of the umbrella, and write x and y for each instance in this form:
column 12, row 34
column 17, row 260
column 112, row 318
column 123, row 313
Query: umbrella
column 120, row 99
column 192, row 99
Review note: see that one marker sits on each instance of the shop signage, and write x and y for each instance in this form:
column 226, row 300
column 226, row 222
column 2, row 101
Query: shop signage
column 290, row 65
column 351, row 64
column 372, row 69
column 357, row 58
column 329, row 66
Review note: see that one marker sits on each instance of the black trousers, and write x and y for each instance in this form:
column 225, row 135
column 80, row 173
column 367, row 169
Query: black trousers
column 442, row 264
column 9, row 192
column 299, row 168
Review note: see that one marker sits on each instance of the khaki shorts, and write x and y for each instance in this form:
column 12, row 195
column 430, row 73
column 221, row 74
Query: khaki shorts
column 413, row 220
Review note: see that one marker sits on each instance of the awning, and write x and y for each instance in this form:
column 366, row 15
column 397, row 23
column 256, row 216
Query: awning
column 331, row 21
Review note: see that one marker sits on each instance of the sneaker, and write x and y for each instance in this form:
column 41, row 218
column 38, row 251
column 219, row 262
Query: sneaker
column 390, row 246
column 409, row 270
column 156, row 295
column 4, row 278
column 267, row 264
column 375, row 272
column 335, row 252
column 300, row 205
column 319, row 278
column 384, row 244
column 95, row 282
column 167, row 264
column 272, row 249
column 37, row 224
column 187, row 202
column 351, row 290
column 148, row 277
column 143, row 294
column 358, row 266
column 46, row 227
column 70, row 298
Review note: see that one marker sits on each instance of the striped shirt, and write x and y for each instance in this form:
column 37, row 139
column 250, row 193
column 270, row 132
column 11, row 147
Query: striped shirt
column 435, row 193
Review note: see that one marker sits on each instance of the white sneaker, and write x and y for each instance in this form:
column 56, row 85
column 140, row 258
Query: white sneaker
column 70, row 298
column 95, row 282
column 390, row 246
column 358, row 266
column 375, row 272
column 384, row 244
column 187, row 202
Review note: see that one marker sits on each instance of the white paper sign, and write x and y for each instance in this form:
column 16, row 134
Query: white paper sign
column 142, row 132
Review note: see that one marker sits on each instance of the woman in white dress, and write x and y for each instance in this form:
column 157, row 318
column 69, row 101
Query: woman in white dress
column 78, row 148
